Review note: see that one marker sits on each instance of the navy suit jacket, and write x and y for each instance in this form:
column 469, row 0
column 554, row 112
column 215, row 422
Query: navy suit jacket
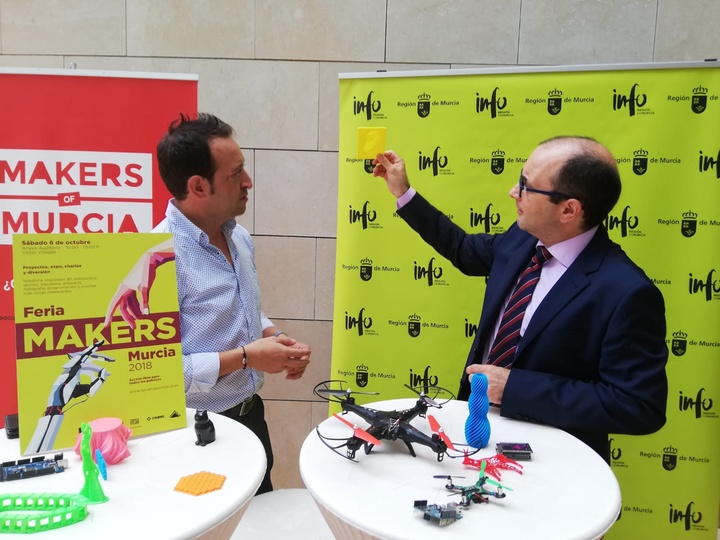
column 592, row 360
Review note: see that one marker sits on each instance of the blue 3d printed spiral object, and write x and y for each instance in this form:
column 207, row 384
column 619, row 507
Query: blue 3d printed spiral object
column 477, row 425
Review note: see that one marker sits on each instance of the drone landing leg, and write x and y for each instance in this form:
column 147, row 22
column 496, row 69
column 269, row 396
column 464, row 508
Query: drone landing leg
column 410, row 448
column 368, row 447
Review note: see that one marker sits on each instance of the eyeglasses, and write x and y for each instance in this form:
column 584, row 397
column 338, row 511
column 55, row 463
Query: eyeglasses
column 523, row 186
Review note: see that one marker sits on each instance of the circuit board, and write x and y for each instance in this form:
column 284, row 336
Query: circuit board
column 442, row 515
column 32, row 467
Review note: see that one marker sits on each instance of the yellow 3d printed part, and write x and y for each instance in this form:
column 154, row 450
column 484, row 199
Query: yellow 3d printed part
column 371, row 142
column 36, row 512
column 200, row 483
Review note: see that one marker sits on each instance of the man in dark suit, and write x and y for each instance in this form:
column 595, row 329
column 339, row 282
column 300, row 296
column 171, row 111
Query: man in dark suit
column 591, row 353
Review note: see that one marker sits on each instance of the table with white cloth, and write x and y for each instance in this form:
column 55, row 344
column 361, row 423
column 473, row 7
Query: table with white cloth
column 142, row 500
column 565, row 492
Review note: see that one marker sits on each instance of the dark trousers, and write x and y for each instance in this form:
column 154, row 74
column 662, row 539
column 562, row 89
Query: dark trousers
column 254, row 420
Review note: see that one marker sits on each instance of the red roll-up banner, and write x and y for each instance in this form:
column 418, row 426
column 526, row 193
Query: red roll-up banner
column 77, row 154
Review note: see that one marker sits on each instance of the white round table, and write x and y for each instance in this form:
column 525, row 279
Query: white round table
column 566, row 492
column 143, row 503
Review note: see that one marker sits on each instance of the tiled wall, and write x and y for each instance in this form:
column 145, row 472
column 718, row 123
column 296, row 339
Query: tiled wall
column 269, row 68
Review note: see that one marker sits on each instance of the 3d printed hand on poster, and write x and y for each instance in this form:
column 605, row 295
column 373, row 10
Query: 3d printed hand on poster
column 76, row 360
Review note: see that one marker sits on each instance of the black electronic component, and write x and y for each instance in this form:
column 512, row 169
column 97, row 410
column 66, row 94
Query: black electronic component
column 518, row 451
column 11, row 426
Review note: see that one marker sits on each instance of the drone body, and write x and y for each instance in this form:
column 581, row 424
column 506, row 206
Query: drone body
column 384, row 425
column 477, row 492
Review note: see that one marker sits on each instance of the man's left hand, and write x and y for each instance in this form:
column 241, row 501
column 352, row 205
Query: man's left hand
column 296, row 373
column 497, row 378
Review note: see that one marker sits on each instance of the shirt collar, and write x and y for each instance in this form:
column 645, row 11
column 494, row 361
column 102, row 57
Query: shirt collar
column 181, row 225
column 567, row 251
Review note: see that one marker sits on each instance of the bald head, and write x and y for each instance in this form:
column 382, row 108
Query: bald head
column 588, row 173
column 578, row 145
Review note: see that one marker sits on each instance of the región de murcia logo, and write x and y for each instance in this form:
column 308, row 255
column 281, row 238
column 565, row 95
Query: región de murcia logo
column 554, row 104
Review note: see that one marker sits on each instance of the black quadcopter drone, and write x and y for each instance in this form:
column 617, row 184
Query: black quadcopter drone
column 385, row 425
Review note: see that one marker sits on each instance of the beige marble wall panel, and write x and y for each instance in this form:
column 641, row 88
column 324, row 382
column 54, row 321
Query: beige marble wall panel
column 569, row 32
column 67, row 27
column 192, row 28
column 325, row 279
column 270, row 104
column 23, row 61
column 296, row 193
column 472, row 31
column 351, row 30
column 289, row 423
column 329, row 96
column 687, row 31
column 124, row 63
column 286, row 273
column 316, row 334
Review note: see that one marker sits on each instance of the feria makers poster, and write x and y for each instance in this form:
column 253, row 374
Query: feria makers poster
column 97, row 335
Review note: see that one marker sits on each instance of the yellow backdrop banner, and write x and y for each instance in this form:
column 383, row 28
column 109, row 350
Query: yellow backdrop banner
column 405, row 316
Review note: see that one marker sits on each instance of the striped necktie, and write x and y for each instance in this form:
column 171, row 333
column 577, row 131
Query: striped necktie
column 507, row 339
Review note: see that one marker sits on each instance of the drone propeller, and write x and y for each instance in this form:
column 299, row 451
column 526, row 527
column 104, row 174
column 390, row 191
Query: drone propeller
column 497, row 484
column 424, row 397
column 340, row 392
column 328, row 392
column 359, row 432
column 487, row 480
column 437, row 428
column 446, row 476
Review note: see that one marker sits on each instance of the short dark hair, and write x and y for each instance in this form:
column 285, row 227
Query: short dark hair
column 591, row 176
column 184, row 151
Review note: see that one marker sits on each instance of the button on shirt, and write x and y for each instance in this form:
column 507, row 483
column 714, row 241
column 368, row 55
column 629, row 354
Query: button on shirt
column 219, row 310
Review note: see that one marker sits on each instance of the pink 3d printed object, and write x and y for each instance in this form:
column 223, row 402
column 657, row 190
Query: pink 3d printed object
column 109, row 435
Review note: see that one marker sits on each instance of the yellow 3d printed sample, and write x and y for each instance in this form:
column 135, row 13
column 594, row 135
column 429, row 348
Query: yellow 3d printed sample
column 199, row 483
column 371, row 142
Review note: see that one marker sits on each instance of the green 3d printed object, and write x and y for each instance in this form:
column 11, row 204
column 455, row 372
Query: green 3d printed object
column 35, row 512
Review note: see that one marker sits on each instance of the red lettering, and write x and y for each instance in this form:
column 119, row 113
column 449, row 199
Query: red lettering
column 137, row 176
column 65, row 223
column 86, row 223
column 40, row 172
column 63, row 173
column 128, row 224
column 12, row 174
column 12, row 226
column 110, row 173
column 89, row 174
column 68, row 223
column 87, row 171
column 50, row 223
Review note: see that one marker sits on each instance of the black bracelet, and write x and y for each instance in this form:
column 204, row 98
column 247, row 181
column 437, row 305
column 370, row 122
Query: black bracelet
column 244, row 357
